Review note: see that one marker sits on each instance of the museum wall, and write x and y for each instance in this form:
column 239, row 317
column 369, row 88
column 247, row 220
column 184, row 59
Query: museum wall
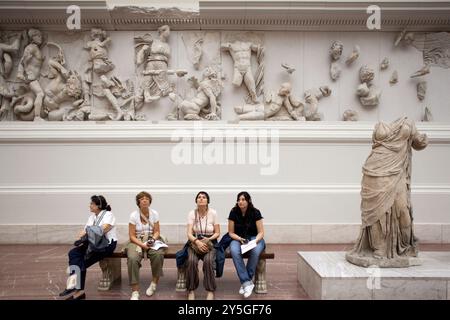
column 308, row 183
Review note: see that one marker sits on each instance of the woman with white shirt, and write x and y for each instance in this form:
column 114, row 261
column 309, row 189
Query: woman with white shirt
column 143, row 229
column 202, row 231
column 102, row 216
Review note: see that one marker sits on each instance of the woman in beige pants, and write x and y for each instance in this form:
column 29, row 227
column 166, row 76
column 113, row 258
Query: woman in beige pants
column 143, row 229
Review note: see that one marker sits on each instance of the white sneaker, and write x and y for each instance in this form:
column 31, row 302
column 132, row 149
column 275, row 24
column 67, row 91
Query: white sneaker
column 134, row 295
column 248, row 290
column 151, row 289
column 241, row 290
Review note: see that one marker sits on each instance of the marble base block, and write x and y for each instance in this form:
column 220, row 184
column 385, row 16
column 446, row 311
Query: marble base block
column 327, row 275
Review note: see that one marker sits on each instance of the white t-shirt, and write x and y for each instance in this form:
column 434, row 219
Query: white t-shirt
column 108, row 218
column 135, row 218
column 203, row 225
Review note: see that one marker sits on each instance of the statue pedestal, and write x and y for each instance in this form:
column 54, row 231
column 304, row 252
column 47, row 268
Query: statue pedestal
column 327, row 275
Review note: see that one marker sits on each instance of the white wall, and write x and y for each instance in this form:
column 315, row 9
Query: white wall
column 49, row 173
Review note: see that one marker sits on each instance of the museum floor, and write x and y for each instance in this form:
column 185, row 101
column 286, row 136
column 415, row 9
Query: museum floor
column 38, row 272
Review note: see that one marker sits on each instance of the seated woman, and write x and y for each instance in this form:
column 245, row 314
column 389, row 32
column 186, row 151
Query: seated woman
column 202, row 231
column 143, row 229
column 245, row 224
column 85, row 255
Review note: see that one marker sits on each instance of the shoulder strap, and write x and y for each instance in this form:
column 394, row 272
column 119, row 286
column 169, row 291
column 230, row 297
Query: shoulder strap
column 147, row 221
column 97, row 222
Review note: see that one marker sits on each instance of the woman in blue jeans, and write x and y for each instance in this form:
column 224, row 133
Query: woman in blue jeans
column 245, row 224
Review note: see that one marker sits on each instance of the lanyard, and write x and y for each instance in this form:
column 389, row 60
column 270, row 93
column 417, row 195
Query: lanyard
column 147, row 221
column 200, row 222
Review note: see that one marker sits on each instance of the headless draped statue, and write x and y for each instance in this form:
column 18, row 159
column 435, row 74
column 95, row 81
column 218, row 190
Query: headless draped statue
column 387, row 235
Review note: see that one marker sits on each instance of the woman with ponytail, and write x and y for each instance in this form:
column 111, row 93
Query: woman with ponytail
column 78, row 260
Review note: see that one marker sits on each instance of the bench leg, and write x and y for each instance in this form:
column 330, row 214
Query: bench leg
column 260, row 277
column 111, row 272
column 181, row 280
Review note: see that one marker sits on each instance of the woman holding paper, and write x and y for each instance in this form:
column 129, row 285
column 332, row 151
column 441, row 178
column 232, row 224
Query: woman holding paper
column 245, row 227
column 144, row 232
column 202, row 231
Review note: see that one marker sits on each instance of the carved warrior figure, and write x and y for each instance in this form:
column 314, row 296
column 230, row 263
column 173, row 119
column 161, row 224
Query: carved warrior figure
column 368, row 94
column 7, row 50
column 155, row 55
column 64, row 85
column 29, row 69
column 241, row 53
column 98, row 52
column 335, row 53
column 387, row 235
column 205, row 105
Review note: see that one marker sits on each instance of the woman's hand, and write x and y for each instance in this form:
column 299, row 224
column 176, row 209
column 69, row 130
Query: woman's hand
column 81, row 234
column 144, row 246
column 243, row 241
column 203, row 247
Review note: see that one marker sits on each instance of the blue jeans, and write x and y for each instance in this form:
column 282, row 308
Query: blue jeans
column 246, row 273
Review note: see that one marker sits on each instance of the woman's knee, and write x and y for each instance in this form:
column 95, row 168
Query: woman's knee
column 134, row 260
column 235, row 248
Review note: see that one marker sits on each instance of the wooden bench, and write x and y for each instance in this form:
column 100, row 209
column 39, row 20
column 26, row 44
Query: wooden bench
column 111, row 269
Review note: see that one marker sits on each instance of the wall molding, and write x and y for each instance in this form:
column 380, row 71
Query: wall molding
column 176, row 233
column 331, row 15
column 171, row 132
column 217, row 188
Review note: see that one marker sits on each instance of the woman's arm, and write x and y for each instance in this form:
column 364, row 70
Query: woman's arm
column 260, row 228
column 133, row 239
column 106, row 227
column 231, row 233
column 216, row 232
column 156, row 230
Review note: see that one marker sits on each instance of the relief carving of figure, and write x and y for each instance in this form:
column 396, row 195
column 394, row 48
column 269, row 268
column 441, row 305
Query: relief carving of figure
column 98, row 52
column 205, row 105
column 241, row 53
column 119, row 96
column 29, row 69
column 369, row 94
column 283, row 106
column 155, row 55
column 312, row 97
column 22, row 103
column 387, row 235
column 335, row 53
column 7, row 50
column 64, row 85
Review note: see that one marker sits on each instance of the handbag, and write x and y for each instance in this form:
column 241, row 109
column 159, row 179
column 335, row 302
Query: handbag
column 204, row 240
column 201, row 237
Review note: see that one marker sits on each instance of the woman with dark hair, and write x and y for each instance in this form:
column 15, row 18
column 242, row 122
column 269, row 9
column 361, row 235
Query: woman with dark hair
column 245, row 225
column 202, row 231
column 86, row 253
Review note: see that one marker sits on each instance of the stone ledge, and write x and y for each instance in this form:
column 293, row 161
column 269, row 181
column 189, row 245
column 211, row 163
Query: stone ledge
column 327, row 275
